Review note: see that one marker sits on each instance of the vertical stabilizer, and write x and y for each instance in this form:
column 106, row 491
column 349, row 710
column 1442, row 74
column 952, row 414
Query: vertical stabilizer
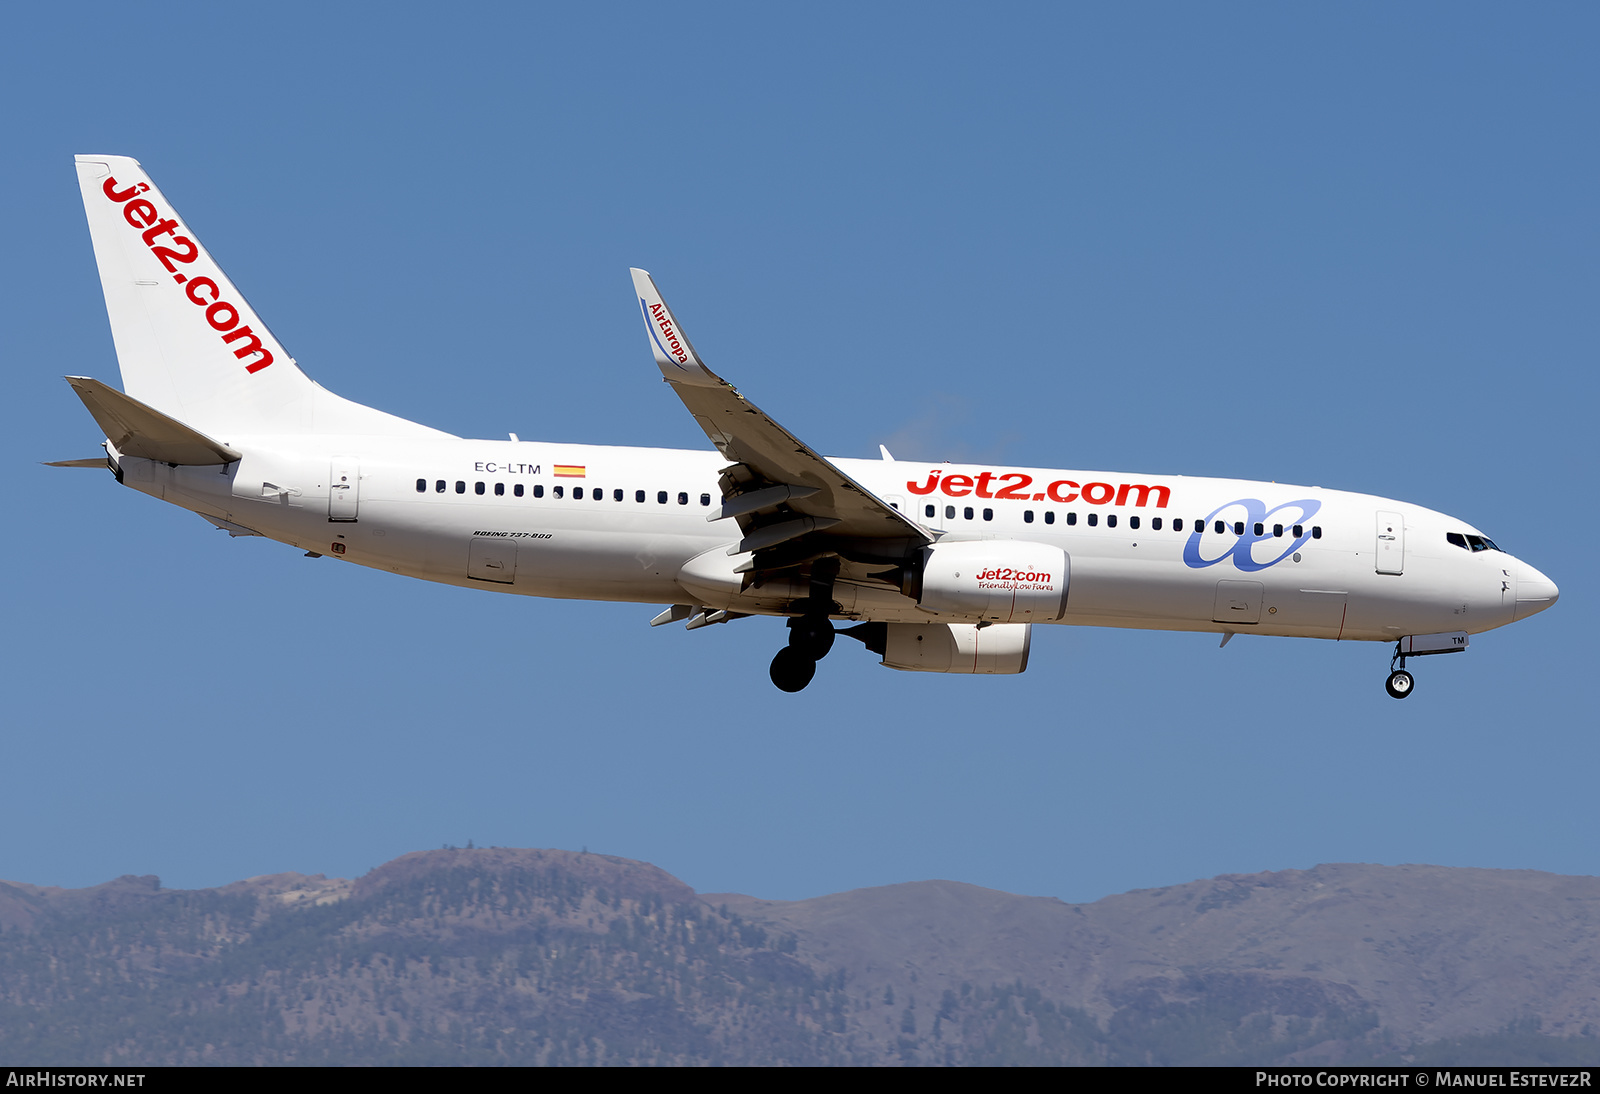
column 188, row 342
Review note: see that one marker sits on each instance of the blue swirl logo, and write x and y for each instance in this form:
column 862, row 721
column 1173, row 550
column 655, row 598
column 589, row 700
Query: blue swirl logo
column 1243, row 549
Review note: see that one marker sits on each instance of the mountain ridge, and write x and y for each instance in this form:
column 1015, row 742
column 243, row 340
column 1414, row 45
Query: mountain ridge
column 502, row 955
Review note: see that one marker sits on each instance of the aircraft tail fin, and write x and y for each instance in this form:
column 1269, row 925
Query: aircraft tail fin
column 138, row 430
column 188, row 343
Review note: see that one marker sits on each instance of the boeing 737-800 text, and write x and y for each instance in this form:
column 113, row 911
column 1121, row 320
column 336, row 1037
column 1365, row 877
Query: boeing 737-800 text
column 940, row 568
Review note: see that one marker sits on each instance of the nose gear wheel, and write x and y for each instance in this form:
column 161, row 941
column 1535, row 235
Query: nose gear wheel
column 1400, row 684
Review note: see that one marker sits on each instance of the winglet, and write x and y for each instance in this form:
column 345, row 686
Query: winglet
column 674, row 354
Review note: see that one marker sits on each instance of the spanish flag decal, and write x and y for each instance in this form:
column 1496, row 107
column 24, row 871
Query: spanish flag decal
column 569, row 471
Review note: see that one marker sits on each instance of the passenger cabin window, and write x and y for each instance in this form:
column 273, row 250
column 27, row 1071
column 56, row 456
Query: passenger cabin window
column 705, row 499
column 517, row 490
column 1221, row 526
column 1027, row 516
column 1260, row 529
column 638, row 496
column 967, row 512
column 1299, row 530
column 577, row 493
column 949, row 512
column 438, row 487
column 683, row 497
column 1155, row 524
column 928, row 510
column 1316, row 533
column 1094, row 519
column 1072, row 518
column 661, row 497
column 422, row 486
column 477, row 488
column 1277, row 530
column 538, row 490
column 499, row 489
column 1133, row 522
column 1111, row 520
column 557, row 491
column 461, row 487
column 1177, row 524
column 616, row 495
column 988, row 514
column 1049, row 517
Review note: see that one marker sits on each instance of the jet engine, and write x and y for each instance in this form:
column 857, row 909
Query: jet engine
column 1000, row 581
column 986, row 648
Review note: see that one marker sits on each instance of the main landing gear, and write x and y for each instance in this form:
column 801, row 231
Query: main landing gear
column 1400, row 681
column 810, row 634
column 810, row 639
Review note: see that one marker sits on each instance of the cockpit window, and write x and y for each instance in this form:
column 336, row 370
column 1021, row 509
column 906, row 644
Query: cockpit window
column 1470, row 543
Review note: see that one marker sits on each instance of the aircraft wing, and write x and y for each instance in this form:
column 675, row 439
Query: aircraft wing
column 791, row 504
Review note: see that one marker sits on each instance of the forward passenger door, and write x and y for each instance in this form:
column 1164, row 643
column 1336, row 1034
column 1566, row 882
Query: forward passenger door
column 1391, row 549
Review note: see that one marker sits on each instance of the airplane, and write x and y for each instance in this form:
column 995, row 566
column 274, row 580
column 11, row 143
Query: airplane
column 936, row 567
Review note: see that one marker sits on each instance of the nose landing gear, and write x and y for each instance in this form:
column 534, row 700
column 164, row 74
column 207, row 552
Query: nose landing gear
column 1399, row 684
column 1400, row 681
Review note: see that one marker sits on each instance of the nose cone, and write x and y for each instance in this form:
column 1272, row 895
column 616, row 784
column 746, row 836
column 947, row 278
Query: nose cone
column 1535, row 592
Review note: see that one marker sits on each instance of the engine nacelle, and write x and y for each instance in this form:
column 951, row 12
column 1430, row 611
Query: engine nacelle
column 993, row 648
column 1004, row 581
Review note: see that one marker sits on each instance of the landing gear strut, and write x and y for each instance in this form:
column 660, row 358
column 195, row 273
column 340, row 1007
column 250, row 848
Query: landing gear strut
column 1400, row 682
column 810, row 633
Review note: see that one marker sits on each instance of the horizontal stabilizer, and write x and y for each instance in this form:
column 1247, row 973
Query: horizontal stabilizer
column 138, row 430
column 92, row 461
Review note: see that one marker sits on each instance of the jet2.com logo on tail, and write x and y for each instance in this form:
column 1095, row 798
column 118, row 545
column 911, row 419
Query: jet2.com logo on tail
column 1239, row 539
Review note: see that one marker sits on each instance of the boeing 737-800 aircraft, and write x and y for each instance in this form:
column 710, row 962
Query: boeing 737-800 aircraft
column 941, row 568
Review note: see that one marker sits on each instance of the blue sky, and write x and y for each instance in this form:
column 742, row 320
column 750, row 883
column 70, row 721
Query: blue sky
column 1346, row 246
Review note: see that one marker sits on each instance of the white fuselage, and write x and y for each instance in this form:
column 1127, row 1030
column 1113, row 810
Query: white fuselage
column 946, row 566
column 1314, row 570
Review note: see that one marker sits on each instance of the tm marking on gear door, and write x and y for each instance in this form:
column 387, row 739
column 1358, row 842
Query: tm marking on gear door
column 1391, row 552
column 344, row 491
